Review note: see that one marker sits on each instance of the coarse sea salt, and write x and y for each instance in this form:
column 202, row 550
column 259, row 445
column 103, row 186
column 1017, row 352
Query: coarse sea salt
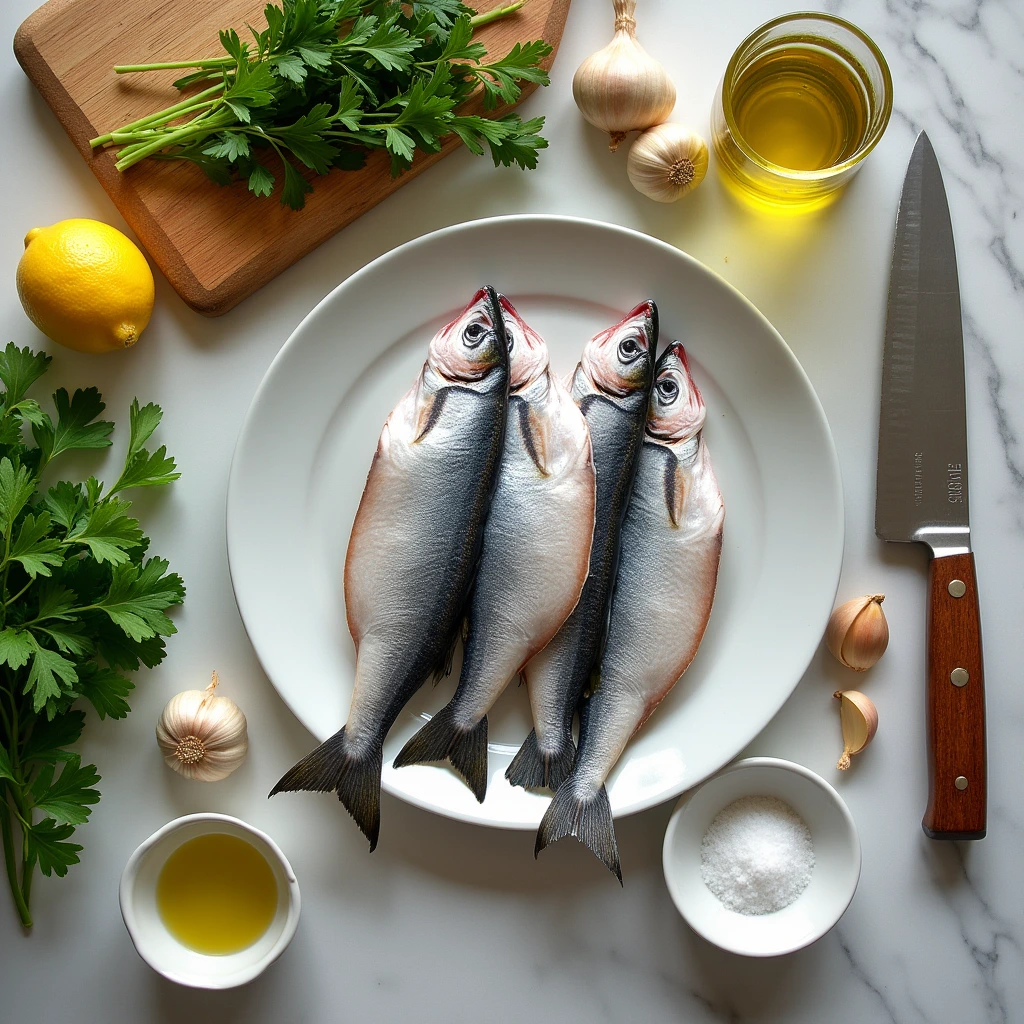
column 757, row 855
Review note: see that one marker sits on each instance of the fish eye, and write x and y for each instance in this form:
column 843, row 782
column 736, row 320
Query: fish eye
column 629, row 349
column 474, row 334
column 668, row 390
column 510, row 338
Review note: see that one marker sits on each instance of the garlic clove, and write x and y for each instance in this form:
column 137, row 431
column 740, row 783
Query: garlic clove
column 667, row 162
column 202, row 735
column 859, row 720
column 622, row 88
column 857, row 632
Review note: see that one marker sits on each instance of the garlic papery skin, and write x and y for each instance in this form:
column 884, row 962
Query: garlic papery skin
column 622, row 88
column 859, row 720
column 857, row 632
column 667, row 161
column 201, row 735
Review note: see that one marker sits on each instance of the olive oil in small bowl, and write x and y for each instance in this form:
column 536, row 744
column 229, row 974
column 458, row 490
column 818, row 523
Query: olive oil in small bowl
column 803, row 101
column 209, row 901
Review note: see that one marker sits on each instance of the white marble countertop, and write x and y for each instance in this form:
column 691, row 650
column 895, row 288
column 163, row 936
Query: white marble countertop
column 449, row 922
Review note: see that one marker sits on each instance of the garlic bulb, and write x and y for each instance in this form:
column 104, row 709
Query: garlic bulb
column 202, row 736
column 857, row 632
column 667, row 161
column 621, row 88
column 859, row 720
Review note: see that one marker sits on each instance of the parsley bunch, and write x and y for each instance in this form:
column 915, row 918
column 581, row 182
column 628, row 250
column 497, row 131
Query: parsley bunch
column 328, row 80
column 80, row 604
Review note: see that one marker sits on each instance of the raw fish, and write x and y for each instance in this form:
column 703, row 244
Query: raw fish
column 611, row 385
column 535, row 554
column 671, row 544
column 415, row 546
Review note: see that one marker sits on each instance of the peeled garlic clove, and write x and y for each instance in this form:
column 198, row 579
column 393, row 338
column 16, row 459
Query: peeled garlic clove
column 622, row 88
column 859, row 720
column 667, row 161
column 857, row 632
column 201, row 735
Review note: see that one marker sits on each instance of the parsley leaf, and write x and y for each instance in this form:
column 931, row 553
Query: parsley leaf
column 16, row 487
column 229, row 146
column 16, row 646
column 68, row 798
column 50, row 675
column 261, row 181
column 142, row 469
column 20, row 368
column 296, row 188
column 34, row 548
column 501, row 79
column 108, row 532
column 137, row 599
column 48, row 740
column 66, row 502
column 75, row 428
column 106, row 690
column 304, row 138
column 46, row 845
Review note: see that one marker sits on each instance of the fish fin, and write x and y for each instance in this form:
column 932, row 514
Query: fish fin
column 429, row 414
column 535, row 436
column 441, row 739
column 588, row 817
column 533, row 768
column 349, row 769
column 675, row 490
column 443, row 667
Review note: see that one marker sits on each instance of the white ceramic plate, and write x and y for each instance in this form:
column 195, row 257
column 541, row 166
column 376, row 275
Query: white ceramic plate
column 309, row 436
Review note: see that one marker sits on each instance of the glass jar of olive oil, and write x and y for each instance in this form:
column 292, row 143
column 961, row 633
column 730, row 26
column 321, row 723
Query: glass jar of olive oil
column 803, row 101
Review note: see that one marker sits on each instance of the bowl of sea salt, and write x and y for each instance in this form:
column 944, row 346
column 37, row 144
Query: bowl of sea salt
column 763, row 858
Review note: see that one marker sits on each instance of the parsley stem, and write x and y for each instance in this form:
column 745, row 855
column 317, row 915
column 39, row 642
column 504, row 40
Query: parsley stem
column 12, row 871
column 122, row 136
column 11, row 600
column 28, row 863
column 160, row 115
column 175, row 65
column 499, row 12
column 212, row 123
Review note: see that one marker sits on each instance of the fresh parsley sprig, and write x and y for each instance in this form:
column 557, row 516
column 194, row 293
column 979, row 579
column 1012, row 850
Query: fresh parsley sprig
column 329, row 80
column 80, row 605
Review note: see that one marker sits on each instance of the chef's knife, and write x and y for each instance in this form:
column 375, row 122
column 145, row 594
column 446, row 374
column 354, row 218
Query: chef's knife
column 922, row 489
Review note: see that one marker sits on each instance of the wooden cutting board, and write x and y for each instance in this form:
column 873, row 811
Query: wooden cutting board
column 215, row 245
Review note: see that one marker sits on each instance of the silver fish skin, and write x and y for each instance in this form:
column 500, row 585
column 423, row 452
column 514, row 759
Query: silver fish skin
column 611, row 386
column 415, row 546
column 668, row 570
column 535, row 558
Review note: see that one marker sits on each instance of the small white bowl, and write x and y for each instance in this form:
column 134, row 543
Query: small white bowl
column 836, row 858
column 160, row 949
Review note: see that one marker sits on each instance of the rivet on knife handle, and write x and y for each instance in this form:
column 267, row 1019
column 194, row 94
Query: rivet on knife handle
column 956, row 714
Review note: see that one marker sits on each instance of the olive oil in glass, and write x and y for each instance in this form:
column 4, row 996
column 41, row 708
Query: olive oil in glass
column 803, row 101
column 801, row 109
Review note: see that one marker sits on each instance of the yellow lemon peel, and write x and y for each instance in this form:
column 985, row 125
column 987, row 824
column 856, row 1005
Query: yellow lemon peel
column 85, row 285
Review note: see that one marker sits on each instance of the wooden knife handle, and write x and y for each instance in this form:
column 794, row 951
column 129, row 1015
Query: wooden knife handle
column 956, row 703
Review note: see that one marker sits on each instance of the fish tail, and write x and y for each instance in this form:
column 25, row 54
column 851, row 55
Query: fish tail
column 588, row 817
column 443, row 739
column 352, row 770
column 533, row 768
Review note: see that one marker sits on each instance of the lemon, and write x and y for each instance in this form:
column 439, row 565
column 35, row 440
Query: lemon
column 85, row 285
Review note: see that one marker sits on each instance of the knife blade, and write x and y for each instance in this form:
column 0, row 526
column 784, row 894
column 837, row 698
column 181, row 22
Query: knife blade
column 922, row 494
